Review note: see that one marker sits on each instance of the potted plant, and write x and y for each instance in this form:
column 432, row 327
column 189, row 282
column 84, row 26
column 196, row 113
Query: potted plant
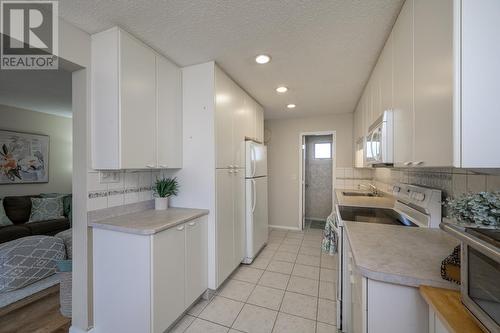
column 476, row 210
column 163, row 189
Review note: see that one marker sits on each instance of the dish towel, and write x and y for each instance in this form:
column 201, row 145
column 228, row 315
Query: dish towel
column 329, row 244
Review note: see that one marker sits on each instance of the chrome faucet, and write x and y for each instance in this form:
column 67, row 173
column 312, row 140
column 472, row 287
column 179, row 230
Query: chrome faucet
column 371, row 188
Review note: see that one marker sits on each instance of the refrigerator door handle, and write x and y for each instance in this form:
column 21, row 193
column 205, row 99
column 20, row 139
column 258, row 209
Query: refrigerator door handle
column 253, row 158
column 254, row 195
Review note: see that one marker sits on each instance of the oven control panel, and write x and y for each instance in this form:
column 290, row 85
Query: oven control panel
column 425, row 200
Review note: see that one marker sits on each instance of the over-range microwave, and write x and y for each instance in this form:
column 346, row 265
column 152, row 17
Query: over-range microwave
column 379, row 149
column 480, row 274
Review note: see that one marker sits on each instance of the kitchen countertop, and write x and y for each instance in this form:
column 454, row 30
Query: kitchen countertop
column 401, row 255
column 384, row 201
column 149, row 222
column 449, row 308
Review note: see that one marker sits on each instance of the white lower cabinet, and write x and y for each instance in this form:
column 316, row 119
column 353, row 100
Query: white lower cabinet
column 435, row 324
column 196, row 260
column 230, row 200
column 168, row 276
column 144, row 283
column 381, row 307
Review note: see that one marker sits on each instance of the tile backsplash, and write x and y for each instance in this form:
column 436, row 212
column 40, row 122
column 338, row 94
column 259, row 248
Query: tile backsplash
column 451, row 181
column 127, row 187
column 350, row 178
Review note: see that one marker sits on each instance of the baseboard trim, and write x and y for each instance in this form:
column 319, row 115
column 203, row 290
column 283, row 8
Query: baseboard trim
column 74, row 329
column 284, row 227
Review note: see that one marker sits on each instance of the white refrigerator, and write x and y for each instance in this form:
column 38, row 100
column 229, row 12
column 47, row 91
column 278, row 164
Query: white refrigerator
column 256, row 223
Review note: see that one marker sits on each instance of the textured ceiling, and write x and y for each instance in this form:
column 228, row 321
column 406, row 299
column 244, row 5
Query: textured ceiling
column 41, row 91
column 323, row 50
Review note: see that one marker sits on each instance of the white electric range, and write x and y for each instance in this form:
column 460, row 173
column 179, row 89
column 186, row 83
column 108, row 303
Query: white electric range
column 415, row 206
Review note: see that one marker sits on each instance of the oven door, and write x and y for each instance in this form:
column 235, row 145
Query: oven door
column 480, row 271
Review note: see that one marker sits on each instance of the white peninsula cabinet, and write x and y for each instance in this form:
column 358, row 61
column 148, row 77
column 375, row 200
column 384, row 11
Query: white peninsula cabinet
column 136, row 105
column 146, row 276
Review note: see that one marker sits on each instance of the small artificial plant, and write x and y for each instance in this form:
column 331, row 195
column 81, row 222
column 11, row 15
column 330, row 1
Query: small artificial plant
column 481, row 208
column 166, row 187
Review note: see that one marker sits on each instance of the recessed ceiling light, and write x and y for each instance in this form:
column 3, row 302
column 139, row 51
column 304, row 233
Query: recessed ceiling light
column 291, row 106
column 282, row 89
column 262, row 59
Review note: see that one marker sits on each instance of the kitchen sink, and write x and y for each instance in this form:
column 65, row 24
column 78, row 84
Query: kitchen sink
column 359, row 194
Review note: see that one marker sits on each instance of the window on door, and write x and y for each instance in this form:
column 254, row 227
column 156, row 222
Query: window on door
column 323, row 150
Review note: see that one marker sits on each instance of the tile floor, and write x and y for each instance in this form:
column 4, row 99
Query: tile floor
column 290, row 287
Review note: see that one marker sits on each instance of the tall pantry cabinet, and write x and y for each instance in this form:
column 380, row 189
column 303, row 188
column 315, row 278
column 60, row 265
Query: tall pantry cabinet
column 218, row 117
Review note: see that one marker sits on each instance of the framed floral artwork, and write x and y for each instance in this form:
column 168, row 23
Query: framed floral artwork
column 24, row 158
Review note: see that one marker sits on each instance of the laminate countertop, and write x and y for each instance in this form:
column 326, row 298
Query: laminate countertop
column 401, row 255
column 149, row 222
column 384, row 201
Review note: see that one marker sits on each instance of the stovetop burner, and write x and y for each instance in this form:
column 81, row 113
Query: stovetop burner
column 374, row 215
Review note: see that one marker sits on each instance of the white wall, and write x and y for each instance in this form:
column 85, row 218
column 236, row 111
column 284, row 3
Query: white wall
column 59, row 129
column 284, row 158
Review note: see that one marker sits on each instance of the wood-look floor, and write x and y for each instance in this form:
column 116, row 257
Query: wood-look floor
column 40, row 316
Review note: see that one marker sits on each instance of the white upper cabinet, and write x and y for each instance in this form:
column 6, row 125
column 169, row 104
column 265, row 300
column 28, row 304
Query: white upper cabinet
column 439, row 72
column 138, row 105
column 386, row 77
column 477, row 80
column 433, row 83
column 225, row 104
column 237, row 117
column 169, row 124
column 136, row 110
column 402, row 37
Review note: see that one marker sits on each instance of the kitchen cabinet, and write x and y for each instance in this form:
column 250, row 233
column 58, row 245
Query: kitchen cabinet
column 386, row 77
column 196, row 260
column 402, row 35
column 219, row 116
column 169, row 117
column 143, row 282
column 136, row 105
column 168, row 276
column 381, row 307
column 438, row 72
column 476, row 80
column 230, row 209
column 237, row 116
column 433, row 83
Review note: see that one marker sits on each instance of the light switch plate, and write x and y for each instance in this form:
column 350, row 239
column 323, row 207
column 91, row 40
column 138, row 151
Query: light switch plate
column 108, row 177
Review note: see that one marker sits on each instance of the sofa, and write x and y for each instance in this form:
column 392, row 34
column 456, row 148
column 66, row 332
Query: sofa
column 18, row 210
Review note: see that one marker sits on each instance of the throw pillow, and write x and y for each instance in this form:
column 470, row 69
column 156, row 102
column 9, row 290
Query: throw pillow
column 27, row 260
column 43, row 209
column 4, row 220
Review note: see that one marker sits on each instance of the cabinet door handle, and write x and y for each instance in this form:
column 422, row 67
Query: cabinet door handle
column 180, row 228
column 191, row 224
column 408, row 163
column 419, row 163
column 231, row 166
column 231, row 171
column 150, row 165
